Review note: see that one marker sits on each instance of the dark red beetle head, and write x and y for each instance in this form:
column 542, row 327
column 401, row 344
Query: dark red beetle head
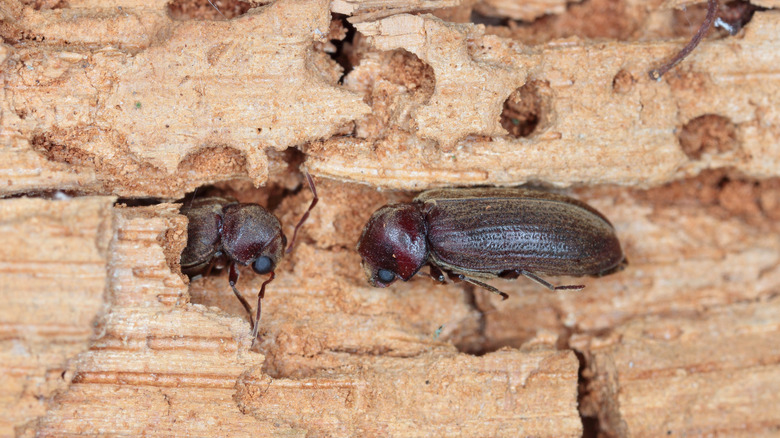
column 393, row 244
column 252, row 235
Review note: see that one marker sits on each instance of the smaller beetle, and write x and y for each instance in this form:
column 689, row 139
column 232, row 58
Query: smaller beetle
column 223, row 232
column 480, row 234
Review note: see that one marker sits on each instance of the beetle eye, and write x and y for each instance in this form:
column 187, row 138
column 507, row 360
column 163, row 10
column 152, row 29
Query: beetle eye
column 385, row 276
column 263, row 265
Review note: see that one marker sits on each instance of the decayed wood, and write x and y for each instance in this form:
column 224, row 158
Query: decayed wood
column 506, row 393
column 102, row 335
column 155, row 106
column 367, row 10
column 53, row 262
column 526, row 11
column 357, row 357
column 162, row 366
column 717, row 373
column 598, row 109
column 188, row 102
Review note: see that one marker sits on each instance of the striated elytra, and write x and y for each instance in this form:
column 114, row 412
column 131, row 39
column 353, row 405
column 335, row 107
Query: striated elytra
column 480, row 234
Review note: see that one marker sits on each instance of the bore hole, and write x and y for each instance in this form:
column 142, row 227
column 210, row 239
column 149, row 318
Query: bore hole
column 708, row 134
column 342, row 34
column 591, row 19
column 623, row 82
column 391, row 83
column 524, row 109
column 40, row 5
column 733, row 16
column 183, row 10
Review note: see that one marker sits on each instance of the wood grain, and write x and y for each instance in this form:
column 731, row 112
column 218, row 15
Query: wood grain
column 52, row 284
column 162, row 366
column 102, row 335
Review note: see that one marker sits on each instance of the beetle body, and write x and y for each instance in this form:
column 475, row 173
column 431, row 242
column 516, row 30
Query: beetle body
column 486, row 233
column 223, row 232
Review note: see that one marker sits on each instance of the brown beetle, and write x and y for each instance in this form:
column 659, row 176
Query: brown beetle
column 474, row 234
column 223, row 232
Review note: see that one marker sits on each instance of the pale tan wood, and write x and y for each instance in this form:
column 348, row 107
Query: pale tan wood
column 505, row 393
column 525, row 10
column 367, row 10
column 143, row 353
column 589, row 129
column 715, row 373
column 161, row 366
column 136, row 93
column 227, row 105
column 53, row 262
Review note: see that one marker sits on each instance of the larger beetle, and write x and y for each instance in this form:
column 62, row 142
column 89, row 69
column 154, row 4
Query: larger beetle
column 484, row 233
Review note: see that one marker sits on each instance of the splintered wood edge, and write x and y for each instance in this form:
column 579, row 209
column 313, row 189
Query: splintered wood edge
column 53, row 273
column 711, row 368
column 604, row 124
column 137, row 374
column 596, row 123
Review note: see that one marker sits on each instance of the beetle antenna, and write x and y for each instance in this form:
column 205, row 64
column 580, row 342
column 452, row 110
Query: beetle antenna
column 215, row 7
column 192, row 198
column 305, row 215
column 483, row 285
column 712, row 8
column 260, row 297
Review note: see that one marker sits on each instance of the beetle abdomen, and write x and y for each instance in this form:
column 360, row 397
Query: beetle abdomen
column 540, row 235
column 203, row 240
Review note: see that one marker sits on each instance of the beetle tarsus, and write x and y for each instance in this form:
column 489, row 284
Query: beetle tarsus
column 233, row 279
column 305, row 216
column 436, row 274
column 533, row 277
column 503, row 295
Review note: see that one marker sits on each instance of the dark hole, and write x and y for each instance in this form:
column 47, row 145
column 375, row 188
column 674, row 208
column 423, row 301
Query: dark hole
column 487, row 20
column 523, row 110
column 623, row 82
column 736, row 15
column 344, row 46
column 591, row 426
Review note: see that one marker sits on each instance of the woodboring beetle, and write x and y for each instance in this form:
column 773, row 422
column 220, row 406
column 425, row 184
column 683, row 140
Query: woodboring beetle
column 223, row 232
column 484, row 233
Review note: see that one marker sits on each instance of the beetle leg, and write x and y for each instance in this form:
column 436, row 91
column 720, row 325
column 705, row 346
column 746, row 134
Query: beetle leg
column 233, row 279
column 548, row 285
column 483, row 285
column 260, row 296
column 211, row 266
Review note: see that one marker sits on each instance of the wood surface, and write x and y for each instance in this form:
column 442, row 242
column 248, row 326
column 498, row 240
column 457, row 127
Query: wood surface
column 102, row 335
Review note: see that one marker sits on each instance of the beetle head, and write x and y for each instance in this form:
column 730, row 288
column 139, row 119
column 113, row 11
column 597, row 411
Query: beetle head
column 393, row 244
column 252, row 235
